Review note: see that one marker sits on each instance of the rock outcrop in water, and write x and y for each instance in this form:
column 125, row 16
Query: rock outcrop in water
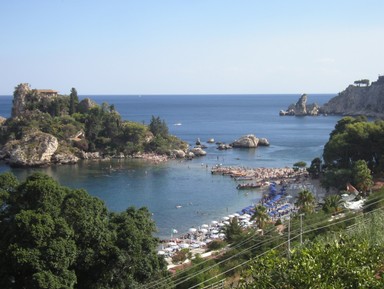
column 358, row 100
column 249, row 141
column 301, row 108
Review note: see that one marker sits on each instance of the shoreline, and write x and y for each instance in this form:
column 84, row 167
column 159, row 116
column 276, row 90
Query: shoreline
column 287, row 183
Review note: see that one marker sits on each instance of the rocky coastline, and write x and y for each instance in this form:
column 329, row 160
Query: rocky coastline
column 360, row 98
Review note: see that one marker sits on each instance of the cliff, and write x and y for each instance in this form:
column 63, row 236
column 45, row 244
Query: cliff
column 358, row 100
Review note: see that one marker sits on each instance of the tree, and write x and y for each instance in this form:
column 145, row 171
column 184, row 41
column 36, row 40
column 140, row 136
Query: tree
column 299, row 165
column 261, row 216
column 306, row 202
column 73, row 101
column 332, row 204
column 315, row 169
column 158, row 127
column 233, row 230
column 362, row 177
column 56, row 237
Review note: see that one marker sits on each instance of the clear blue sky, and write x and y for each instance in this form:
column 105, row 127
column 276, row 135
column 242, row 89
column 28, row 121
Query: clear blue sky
column 190, row 46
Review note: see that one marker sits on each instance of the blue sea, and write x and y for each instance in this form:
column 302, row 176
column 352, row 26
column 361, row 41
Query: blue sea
column 203, row 197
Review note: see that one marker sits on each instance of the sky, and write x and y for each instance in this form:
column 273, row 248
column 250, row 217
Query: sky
column 190, row 46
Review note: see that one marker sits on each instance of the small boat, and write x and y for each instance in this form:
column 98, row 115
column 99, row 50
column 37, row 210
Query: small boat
column 243, row 178
column 178, row 206
column 177, row 124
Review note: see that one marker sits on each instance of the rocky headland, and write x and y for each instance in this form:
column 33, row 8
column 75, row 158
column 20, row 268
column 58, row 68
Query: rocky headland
column 360, row 98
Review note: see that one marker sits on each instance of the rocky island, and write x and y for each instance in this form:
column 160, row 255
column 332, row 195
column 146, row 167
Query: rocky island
column 48, row 128
column 301, row 108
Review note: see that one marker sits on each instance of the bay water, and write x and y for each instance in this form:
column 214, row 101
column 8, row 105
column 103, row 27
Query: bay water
column 184, row 194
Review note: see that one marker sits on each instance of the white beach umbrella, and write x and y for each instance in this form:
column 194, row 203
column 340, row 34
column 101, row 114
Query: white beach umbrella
column 236, row 214
column 171, row 244
column 184, row 245
column 169, row 249
column 204, row 231
column 243, row 217
column 231, row 216
column 214, row 231
column 192, row 230
column 161, row 252
column 214, row 222
column 202, row 244
column 205, row 226
column 222, row 235
column 215, row 236
column 225, row 218
column 208, row 241
column 226, row 223
column 175, row 247
column 221, row 224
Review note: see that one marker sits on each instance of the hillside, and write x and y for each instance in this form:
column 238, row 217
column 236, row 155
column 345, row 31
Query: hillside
column 358, row 99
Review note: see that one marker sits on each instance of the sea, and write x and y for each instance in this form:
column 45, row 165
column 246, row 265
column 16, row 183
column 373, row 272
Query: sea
column 182, row 194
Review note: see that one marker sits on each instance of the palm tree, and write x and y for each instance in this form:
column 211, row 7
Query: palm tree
column 305, row 201
column 332, row 204
column 261, row 216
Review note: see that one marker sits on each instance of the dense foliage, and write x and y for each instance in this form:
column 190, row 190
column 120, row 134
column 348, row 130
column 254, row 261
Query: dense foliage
column 56, row 237
column 87, row 126
column 355, row 150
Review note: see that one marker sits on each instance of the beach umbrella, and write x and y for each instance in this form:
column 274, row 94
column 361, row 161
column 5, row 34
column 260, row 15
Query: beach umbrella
column 221, row 224
column 214, row 231
column 214, row 222
column 215, row 236
column 171, row 244
column 231, row 216
column 195, row 245
column 169, row 249
column 236, row 214
column 204, row 231
column 192, row 230
column 202, row 244
column 184, row 245
column 242, row 217
column 161, row 252
column 208, row 241
column 175, row 247
column 222, row 235
column 225, row 218
column 226, row 223
column 205, row 226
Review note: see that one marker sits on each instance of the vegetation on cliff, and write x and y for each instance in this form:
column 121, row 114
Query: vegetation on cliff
column 84, row 126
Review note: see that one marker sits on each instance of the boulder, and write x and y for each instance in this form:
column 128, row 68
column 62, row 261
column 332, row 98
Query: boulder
column 246, row 141
column 263, row 142
column 64, row 158
column 90, row 155
column 179, row 154
column 34, row 149
column 199, row 152
column 223, row 146
column 85, row 105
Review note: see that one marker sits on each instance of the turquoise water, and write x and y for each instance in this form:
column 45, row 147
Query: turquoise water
column 202, row 196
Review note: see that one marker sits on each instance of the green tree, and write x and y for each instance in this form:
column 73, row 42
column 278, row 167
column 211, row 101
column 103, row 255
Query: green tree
column 233, row 231
column 332, row 204
column 362, row 177
column 306, row 202
column 261, row 216
column 73, row 101
column 158, row 127
column 315, row 169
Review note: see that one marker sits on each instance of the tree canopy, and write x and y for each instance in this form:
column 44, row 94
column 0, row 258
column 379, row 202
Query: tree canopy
column 56, row 237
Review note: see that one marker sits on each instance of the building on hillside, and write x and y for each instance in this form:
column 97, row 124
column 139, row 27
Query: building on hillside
column 47, row 92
